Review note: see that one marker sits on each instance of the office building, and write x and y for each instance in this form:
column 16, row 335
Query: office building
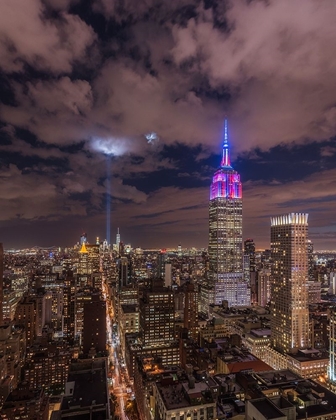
column 169, row 354
column 83, row 263
column 332, row 283
column 160, row 264
column 309, row 363
column 314, row 292
column 81, row 298
column 175, row 399
column 68, row 317
column 93, row 258
column 191, row 310
column 250, row 273
column 128, row 296
column 289, row 276
column 225, row 274
column 128, row 322
column 311, row 262
column 94, row 331
column 168, row 275
column 42, row 311
column 124, row 275
column 157, row 315
column 332, row 349
column 86, row 392
column 118, row 241
column 249, row 251
column 25, row 316
column 47, row 366
column 25, row 403
column 83, row 238
column 264, row 286
column 12, row 352
column 10, row 300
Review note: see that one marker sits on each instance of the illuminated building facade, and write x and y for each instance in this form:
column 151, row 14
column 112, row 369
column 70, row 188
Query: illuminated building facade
column 25, row 403
column 264, row 286
column 25, row 316
column 47, row 366
column 9, row 304
column 311, row 263
column 118, row 240
column 93, row 258
column 332, row 349
column 81, row 298
column 83, row 263
column 94, row 331
column 249, row 250
column 225, row 274
column 83, row 238
column 68, row 316
column 13, row 350
column 157, row 317
column 289, row 289
column 128, row 322
column 250, row 273
column 191, row 310
column 124, row 268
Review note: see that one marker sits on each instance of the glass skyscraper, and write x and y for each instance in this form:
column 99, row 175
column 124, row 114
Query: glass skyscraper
column 225, row 276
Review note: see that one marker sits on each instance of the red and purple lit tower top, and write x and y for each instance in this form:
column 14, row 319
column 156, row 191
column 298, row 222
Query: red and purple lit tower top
column 226, row 181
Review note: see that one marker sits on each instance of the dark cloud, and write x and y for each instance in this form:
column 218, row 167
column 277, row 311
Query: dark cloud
column 278, row 56
column 28, row 37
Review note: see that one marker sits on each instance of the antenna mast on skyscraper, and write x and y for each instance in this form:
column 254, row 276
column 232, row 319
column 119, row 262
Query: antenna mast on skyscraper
column 226, row 163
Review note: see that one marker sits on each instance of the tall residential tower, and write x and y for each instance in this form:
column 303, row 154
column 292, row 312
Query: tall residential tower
column 289, row 277
column 225, row 276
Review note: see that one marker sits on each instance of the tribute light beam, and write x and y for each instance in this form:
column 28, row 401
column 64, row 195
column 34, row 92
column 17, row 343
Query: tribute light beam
column 109, row 147
column 108, row 199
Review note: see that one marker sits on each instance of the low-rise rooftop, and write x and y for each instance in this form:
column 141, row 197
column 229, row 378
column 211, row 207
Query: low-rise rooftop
column 86, row 385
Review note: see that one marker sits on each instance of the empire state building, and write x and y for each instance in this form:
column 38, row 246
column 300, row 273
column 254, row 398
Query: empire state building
column 225, row 275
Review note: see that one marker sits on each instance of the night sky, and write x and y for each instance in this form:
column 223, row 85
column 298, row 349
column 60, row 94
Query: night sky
column 79, row 78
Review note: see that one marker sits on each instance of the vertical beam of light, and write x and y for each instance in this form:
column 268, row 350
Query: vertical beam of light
column 108, row 199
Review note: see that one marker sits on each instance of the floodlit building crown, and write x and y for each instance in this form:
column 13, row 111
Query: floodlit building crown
column 290, row 219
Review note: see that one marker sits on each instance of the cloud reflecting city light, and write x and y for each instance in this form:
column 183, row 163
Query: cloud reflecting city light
column 152, row 138
column 111, row 146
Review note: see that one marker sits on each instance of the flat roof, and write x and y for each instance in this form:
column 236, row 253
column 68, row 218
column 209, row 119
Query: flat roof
column 261, row 332
column 129, row 309
column 273, row 378
column 174, row 396
column 90, row 385
column 267, row 409
column 309, row 356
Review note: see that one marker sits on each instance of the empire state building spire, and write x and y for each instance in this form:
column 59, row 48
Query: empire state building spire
column 225, row 275
column 226, row 181
column 226, row 151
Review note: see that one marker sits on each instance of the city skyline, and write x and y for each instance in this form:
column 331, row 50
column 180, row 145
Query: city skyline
column 151, row 85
